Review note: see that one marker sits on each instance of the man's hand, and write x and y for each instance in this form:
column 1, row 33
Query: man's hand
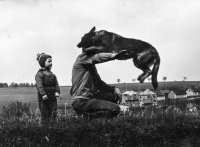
column 120, row 55
column 118, row 95
column 45, row 97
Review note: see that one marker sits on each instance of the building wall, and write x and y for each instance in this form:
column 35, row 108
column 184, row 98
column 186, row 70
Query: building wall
column 181, row 96
column 172, row 95
column 160, row 98
column 148, row 98
column 190, row 92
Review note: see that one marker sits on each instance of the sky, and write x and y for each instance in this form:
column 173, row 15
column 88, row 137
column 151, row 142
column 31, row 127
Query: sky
column 55, row 27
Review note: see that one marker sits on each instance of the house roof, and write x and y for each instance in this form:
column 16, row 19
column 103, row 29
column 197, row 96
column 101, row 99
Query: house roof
column 194, row 89
column 130, row 92
column 179, row 91
column 138, row 92
column 147, row 92
column 165, row 91
column 159, row 93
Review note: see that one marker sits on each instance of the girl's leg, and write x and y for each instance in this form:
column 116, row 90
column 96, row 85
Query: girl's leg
column 53, row 108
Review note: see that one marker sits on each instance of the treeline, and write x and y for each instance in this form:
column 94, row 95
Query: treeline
column 15, row 85
column 3, row 85
column 162, row 86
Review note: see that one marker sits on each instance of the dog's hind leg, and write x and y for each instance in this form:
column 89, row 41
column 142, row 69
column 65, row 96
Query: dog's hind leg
column 146, row 71
column 145, row 75
column 144, row 67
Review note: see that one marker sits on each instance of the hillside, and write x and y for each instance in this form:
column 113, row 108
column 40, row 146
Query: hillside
column 162, row 85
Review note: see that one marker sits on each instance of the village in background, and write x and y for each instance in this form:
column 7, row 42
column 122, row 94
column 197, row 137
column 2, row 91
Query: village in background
column 179, row 96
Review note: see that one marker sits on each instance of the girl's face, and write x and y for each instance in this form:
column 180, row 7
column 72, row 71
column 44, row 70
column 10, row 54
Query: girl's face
column 48, row 63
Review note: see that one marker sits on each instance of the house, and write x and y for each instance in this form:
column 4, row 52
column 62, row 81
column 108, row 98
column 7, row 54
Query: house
column 166, row 92
column 192, row 91
column 177, row 93
column 160, row 95
column 148, row 97
column 124, row 108
column 130, row 98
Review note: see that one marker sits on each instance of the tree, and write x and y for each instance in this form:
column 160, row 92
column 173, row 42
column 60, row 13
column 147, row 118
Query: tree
column 5, row 85
column 134, row 80
column 184, row 78
column 15, row 85
column 118, row 80
column 164, row 78
column 12, row 84
column 27, row 85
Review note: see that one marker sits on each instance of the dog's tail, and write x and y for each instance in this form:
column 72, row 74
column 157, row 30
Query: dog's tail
column 155, row 72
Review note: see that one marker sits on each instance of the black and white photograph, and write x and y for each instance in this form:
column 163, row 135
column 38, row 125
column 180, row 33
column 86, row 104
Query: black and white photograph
column 99, row 73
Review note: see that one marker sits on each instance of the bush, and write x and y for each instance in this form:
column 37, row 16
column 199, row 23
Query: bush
column 16, row 109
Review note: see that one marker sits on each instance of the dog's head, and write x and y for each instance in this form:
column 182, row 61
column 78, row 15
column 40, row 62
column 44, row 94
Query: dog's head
column 87, row 39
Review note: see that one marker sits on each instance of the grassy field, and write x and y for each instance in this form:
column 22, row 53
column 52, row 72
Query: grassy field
column 29, row 95
column 138, row 128
column 20, row 126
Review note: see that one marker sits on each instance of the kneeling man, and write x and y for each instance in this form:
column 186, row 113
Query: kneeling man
column 92, row 97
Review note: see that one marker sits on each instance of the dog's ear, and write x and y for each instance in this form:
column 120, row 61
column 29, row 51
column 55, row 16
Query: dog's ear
column 93, row 29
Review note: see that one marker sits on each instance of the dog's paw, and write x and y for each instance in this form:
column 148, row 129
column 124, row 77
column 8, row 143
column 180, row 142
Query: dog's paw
column 139, row 78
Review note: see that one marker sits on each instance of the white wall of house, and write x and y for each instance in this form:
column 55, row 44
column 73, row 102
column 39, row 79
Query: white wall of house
column 171, row 95
column 148, row 98
column 190, row 92
column 181, row 96
column 160, row 98
column 124, row 108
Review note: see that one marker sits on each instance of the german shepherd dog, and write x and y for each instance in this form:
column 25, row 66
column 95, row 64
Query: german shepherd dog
column 144, row 55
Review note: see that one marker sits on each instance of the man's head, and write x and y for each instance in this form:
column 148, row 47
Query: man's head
column 87, row 39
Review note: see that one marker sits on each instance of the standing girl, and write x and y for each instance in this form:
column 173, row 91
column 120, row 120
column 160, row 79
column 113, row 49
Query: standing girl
column 47, row 86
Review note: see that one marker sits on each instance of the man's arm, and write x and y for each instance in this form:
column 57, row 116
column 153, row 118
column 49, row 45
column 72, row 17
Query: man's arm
column 105, row 87
column 94, row 49
column 97, row 58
